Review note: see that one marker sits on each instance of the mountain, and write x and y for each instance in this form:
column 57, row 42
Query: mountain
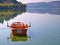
column 8, row 1
column 53, row 4
column 11, row 5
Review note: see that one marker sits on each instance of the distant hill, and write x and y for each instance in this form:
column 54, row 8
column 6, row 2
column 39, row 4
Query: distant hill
column 11, row 5
column 53, row 4
column 8, row 1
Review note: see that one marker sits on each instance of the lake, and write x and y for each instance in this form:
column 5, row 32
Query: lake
column 44, row 30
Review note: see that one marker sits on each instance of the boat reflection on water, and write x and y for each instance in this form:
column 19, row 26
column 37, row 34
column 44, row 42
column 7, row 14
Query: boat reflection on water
column 15, row 38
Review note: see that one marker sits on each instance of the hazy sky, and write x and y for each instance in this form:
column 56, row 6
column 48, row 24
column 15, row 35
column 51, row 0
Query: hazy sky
column 29, row 1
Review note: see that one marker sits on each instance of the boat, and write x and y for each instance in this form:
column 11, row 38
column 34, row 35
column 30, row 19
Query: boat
column 19, row 28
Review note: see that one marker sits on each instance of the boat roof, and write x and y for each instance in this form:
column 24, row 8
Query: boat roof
column 18, row 24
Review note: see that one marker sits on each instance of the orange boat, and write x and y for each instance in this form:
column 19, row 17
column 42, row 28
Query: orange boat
column 19, row 28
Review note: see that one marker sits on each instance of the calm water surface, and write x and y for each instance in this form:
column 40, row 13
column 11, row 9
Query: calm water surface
column 45, row 29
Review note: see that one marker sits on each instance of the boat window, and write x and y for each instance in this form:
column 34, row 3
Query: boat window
column 19, row 31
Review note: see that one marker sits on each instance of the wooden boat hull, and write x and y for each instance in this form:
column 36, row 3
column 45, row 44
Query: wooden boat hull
column 19, row 28
column 19, row 31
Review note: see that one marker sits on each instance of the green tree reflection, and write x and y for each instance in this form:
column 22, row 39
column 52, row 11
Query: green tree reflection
column 10, row 14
